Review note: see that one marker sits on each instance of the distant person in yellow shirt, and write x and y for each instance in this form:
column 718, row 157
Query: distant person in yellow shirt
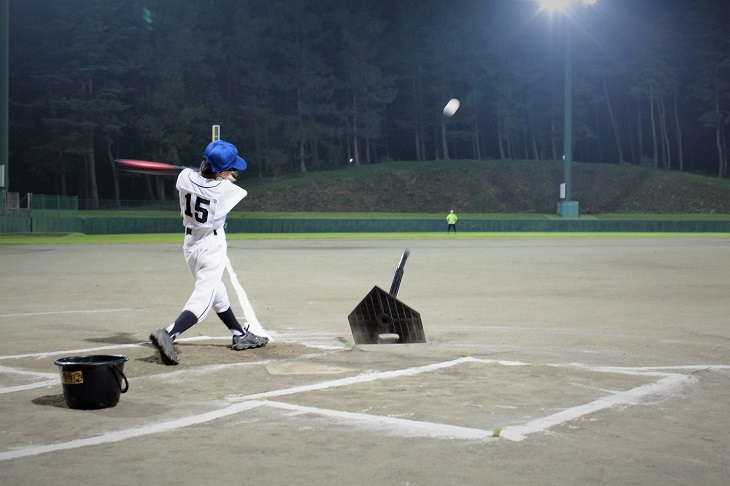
column 451, row 219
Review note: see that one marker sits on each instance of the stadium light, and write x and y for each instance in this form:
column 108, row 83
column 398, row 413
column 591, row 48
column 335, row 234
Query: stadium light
column 567, row 208
column 562, row 5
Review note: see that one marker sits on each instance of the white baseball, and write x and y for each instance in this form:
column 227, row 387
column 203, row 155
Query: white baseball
column 451, row 107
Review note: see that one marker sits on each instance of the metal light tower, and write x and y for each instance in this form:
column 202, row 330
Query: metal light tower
column 567, row 208
column 4, row 123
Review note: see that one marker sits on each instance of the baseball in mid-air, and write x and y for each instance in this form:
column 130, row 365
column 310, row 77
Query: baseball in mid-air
column 451, row 107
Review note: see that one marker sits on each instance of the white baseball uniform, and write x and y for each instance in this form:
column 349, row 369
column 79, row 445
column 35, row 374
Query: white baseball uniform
column 204, row 205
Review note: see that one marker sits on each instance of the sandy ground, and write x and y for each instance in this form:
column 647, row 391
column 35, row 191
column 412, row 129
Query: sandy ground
column 598, row 361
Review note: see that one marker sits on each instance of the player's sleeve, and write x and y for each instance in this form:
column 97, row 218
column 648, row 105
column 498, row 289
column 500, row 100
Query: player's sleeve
column 233, row 195
column 182, row 177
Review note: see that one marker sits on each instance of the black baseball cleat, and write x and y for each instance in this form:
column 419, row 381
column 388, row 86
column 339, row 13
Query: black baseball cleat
column 248, row 341
column 163, row 342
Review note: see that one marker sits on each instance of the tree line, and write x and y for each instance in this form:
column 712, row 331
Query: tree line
column 310, row 85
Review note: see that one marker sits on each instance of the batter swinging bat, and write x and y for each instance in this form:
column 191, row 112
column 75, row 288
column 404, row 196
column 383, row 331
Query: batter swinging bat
column 399, row 274
column 148, row 167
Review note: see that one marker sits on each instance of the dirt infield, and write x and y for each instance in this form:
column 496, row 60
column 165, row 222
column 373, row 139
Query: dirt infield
column 549, row 360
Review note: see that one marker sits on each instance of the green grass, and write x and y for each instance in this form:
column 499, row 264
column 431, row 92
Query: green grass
column 487, row 189
column 489, row 186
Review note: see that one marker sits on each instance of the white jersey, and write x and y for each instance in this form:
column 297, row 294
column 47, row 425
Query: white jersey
column 205, row 203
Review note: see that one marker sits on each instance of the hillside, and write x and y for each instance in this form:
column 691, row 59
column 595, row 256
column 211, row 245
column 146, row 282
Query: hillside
column 489, row 187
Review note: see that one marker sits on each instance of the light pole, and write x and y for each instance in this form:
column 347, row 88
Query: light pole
column 4, row 122
column 567, row 208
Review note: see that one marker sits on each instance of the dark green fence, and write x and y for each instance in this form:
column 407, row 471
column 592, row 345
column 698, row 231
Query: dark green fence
column 99, row 226
column 38, row 213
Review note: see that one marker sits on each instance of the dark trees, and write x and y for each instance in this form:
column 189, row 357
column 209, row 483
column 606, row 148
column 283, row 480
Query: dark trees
column 306, row 85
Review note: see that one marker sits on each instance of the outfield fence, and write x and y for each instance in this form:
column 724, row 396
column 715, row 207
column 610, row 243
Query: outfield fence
column 35, row 213
column 101, row 225
column 39, row 213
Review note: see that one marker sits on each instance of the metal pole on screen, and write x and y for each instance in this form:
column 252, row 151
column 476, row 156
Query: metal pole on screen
column 4, row 93
column 568, row 125
column 567, row 208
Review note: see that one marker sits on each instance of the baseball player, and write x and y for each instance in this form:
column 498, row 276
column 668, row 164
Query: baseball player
column 206, row 197
column 451, row 219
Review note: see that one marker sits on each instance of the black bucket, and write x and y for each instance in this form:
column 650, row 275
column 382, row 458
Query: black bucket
column 92, row 382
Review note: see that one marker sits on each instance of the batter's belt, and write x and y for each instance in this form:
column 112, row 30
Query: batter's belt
column 189, row 231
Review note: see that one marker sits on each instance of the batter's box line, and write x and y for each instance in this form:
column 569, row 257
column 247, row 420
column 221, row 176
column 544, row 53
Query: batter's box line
column 49, row 379
column 625, row 398
column 242, row 404
column 391, row 425
column 249, row 402
column 53, row 313
column 85, row 351
column 169, row 375
column 515, row 433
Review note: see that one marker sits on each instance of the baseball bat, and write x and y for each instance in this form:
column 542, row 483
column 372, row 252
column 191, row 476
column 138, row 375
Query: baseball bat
column 148, row 167
column 399, row 274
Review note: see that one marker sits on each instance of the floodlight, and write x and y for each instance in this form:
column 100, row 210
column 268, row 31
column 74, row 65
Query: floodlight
column 555, row 4
column 562, row 5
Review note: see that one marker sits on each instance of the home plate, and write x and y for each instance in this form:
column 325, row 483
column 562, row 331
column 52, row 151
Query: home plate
column 305, row 369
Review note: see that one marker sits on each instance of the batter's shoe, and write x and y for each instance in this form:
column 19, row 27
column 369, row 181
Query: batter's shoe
column 248, row 341
column 163, row 342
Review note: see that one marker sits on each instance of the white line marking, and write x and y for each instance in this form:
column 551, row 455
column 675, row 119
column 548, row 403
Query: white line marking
column 97, row 311
column 393, row 425
column 85, row 351
column 245, row 403
column 35, row 374
column 31, row 386
column 131, row 433
column 499, row 362
column 16, row 371
column 361, row 378
column 613, row 369
column 71, row 352
column 513, row 433
column 518, row 432
column 49, row 379
column 248, row 311
column 206, row 370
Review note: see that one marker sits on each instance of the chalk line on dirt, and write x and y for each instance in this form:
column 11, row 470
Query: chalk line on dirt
column 49, row 379
column 121, row 435
column 246, row 403
column 392, row 425
column 664, row 386
column 84, row 351
column 94, row 311
column 629, row 397
column 248, row 312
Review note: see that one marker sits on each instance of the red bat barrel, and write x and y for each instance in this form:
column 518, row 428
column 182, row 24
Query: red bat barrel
column 147, row 167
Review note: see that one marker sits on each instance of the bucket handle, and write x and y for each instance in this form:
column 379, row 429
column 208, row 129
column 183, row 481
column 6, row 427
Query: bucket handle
column 126, row 383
